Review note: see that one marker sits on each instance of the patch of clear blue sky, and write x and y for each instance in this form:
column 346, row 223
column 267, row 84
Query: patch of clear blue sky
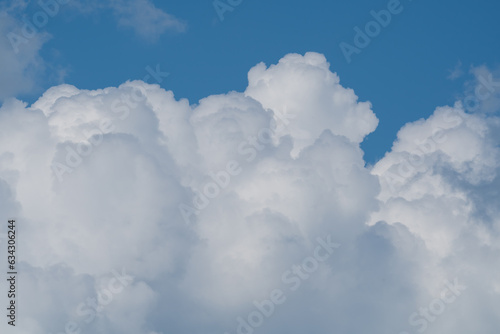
column 403, row 72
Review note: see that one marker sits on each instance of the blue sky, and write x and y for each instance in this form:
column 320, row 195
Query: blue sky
column 403, row 71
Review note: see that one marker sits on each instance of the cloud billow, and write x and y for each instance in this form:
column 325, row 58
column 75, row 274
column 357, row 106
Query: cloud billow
column 97, row 179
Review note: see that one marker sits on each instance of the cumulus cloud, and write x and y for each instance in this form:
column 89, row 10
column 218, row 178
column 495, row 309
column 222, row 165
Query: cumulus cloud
column 249, row 211
column 441, row 180
column 309, row 99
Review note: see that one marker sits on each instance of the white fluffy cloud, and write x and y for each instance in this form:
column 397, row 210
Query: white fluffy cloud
column 309, row 99
column 441, row 181
column 210, row 208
